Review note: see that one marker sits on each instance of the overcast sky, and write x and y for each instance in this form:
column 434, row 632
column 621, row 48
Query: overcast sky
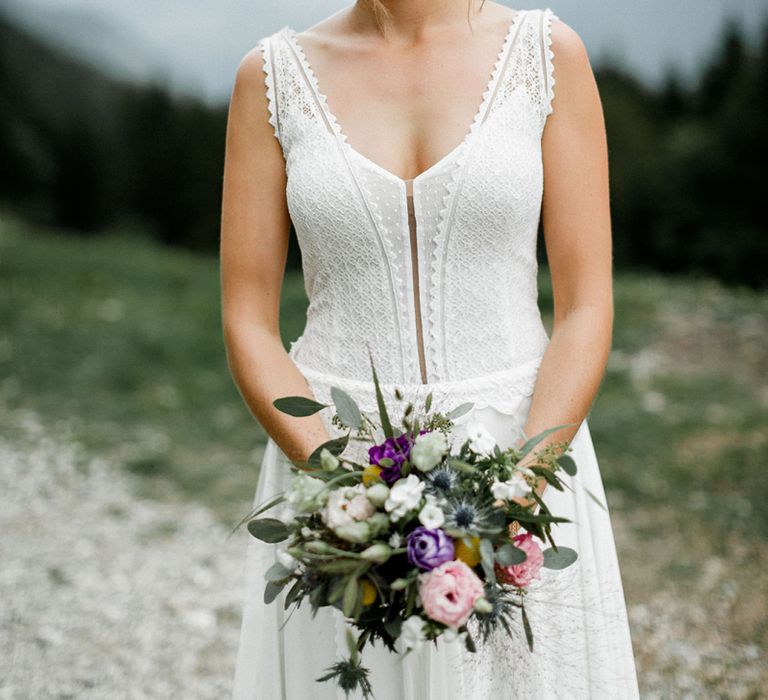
column 196, row 45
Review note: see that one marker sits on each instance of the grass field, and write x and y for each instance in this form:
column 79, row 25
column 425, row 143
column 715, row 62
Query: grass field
column 116, row 344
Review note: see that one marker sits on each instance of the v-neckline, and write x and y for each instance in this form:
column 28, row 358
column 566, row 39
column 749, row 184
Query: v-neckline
column 483, row 107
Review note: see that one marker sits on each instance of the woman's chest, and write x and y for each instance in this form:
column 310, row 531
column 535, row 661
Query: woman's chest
column 337, row 196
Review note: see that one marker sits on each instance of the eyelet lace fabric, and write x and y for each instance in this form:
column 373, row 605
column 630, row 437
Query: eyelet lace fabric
column 477, row 214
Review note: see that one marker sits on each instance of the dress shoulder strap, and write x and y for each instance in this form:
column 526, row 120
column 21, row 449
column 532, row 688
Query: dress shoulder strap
column 548, row 74
column 528, row 82
column 267, row 45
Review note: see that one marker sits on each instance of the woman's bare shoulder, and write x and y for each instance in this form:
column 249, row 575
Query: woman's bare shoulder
column 568, row 47
column 249, row 101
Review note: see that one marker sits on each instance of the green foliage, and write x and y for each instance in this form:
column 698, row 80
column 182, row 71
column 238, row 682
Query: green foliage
column 346, row 408
column 559, row 558
column 299, row 406
column 83, row 151
column 687, row 181
column 268, row 530
column 117, row 343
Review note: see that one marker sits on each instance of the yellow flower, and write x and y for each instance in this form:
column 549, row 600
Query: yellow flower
column 369, row 591
column 470, row 555
column 371, row 474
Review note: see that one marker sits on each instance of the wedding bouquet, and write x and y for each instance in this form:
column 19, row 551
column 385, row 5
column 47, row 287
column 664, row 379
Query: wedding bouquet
column 418, row 541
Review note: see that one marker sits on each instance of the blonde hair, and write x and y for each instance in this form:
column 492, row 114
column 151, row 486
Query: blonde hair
column 381, row 13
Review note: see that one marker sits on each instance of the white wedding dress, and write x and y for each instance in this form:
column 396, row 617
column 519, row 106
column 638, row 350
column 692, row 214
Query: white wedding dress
column 437, row 276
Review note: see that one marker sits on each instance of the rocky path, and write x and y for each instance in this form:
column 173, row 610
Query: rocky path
column 105, row 595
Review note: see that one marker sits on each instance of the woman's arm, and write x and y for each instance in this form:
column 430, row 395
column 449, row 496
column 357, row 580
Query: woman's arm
column 255, row 227
column 577, row 231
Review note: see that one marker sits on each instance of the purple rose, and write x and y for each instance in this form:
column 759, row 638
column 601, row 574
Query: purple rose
column 429, row 548
column 397, row 449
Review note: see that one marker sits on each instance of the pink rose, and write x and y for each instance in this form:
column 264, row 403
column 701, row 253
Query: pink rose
column 448, row 592
column 521, row 575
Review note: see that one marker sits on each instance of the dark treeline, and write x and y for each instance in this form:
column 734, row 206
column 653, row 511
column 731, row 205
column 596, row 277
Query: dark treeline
column 84, row 152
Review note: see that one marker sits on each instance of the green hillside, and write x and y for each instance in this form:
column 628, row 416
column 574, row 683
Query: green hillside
column 84, row 152
column 117, row 341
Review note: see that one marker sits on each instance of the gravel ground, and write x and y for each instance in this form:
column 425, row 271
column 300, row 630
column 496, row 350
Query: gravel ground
column 106, row 595
column 698, row 620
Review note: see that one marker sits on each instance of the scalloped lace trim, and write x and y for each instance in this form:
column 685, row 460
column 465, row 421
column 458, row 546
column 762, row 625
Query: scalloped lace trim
column 458, row 149
column 387, row 242
column 549, row 56
column 269, row 79
column 437, row 340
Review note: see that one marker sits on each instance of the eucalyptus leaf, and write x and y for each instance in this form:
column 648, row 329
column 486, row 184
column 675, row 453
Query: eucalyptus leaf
column 460, row 410
column 509, row 555
column 528, row 445
column 349, row 600
column 271, row 503
column 486, row 559
column 560, row 558
column 293, row 594
column 428, row 402
column 567, row 464
column 393, row 627
column 272, row 590
column 338, row 566
column 346, row 408
column 335, row 446
column 277, row 572
column 550, row 477
column 337, row 591
column 298, row 406
column 268, row 530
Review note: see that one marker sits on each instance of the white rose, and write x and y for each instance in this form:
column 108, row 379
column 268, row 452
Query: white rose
column 412, row 633
column 347, row 505
column 428, row 450
column 405, row 495
column 360, row 507
column 481, row 442
column 431, row 516
column 516, row 487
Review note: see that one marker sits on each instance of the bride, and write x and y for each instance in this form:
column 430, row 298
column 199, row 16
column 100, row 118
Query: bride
column 415, row 146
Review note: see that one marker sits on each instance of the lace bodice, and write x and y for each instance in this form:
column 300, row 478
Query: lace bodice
column 449, row 292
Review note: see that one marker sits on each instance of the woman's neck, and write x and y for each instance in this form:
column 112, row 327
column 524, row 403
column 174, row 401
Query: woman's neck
column 409, row 21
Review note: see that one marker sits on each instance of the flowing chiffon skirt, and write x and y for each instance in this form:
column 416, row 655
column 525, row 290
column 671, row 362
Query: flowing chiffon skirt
column 582, row 643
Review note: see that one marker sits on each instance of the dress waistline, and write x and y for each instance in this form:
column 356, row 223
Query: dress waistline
column 502, row 390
